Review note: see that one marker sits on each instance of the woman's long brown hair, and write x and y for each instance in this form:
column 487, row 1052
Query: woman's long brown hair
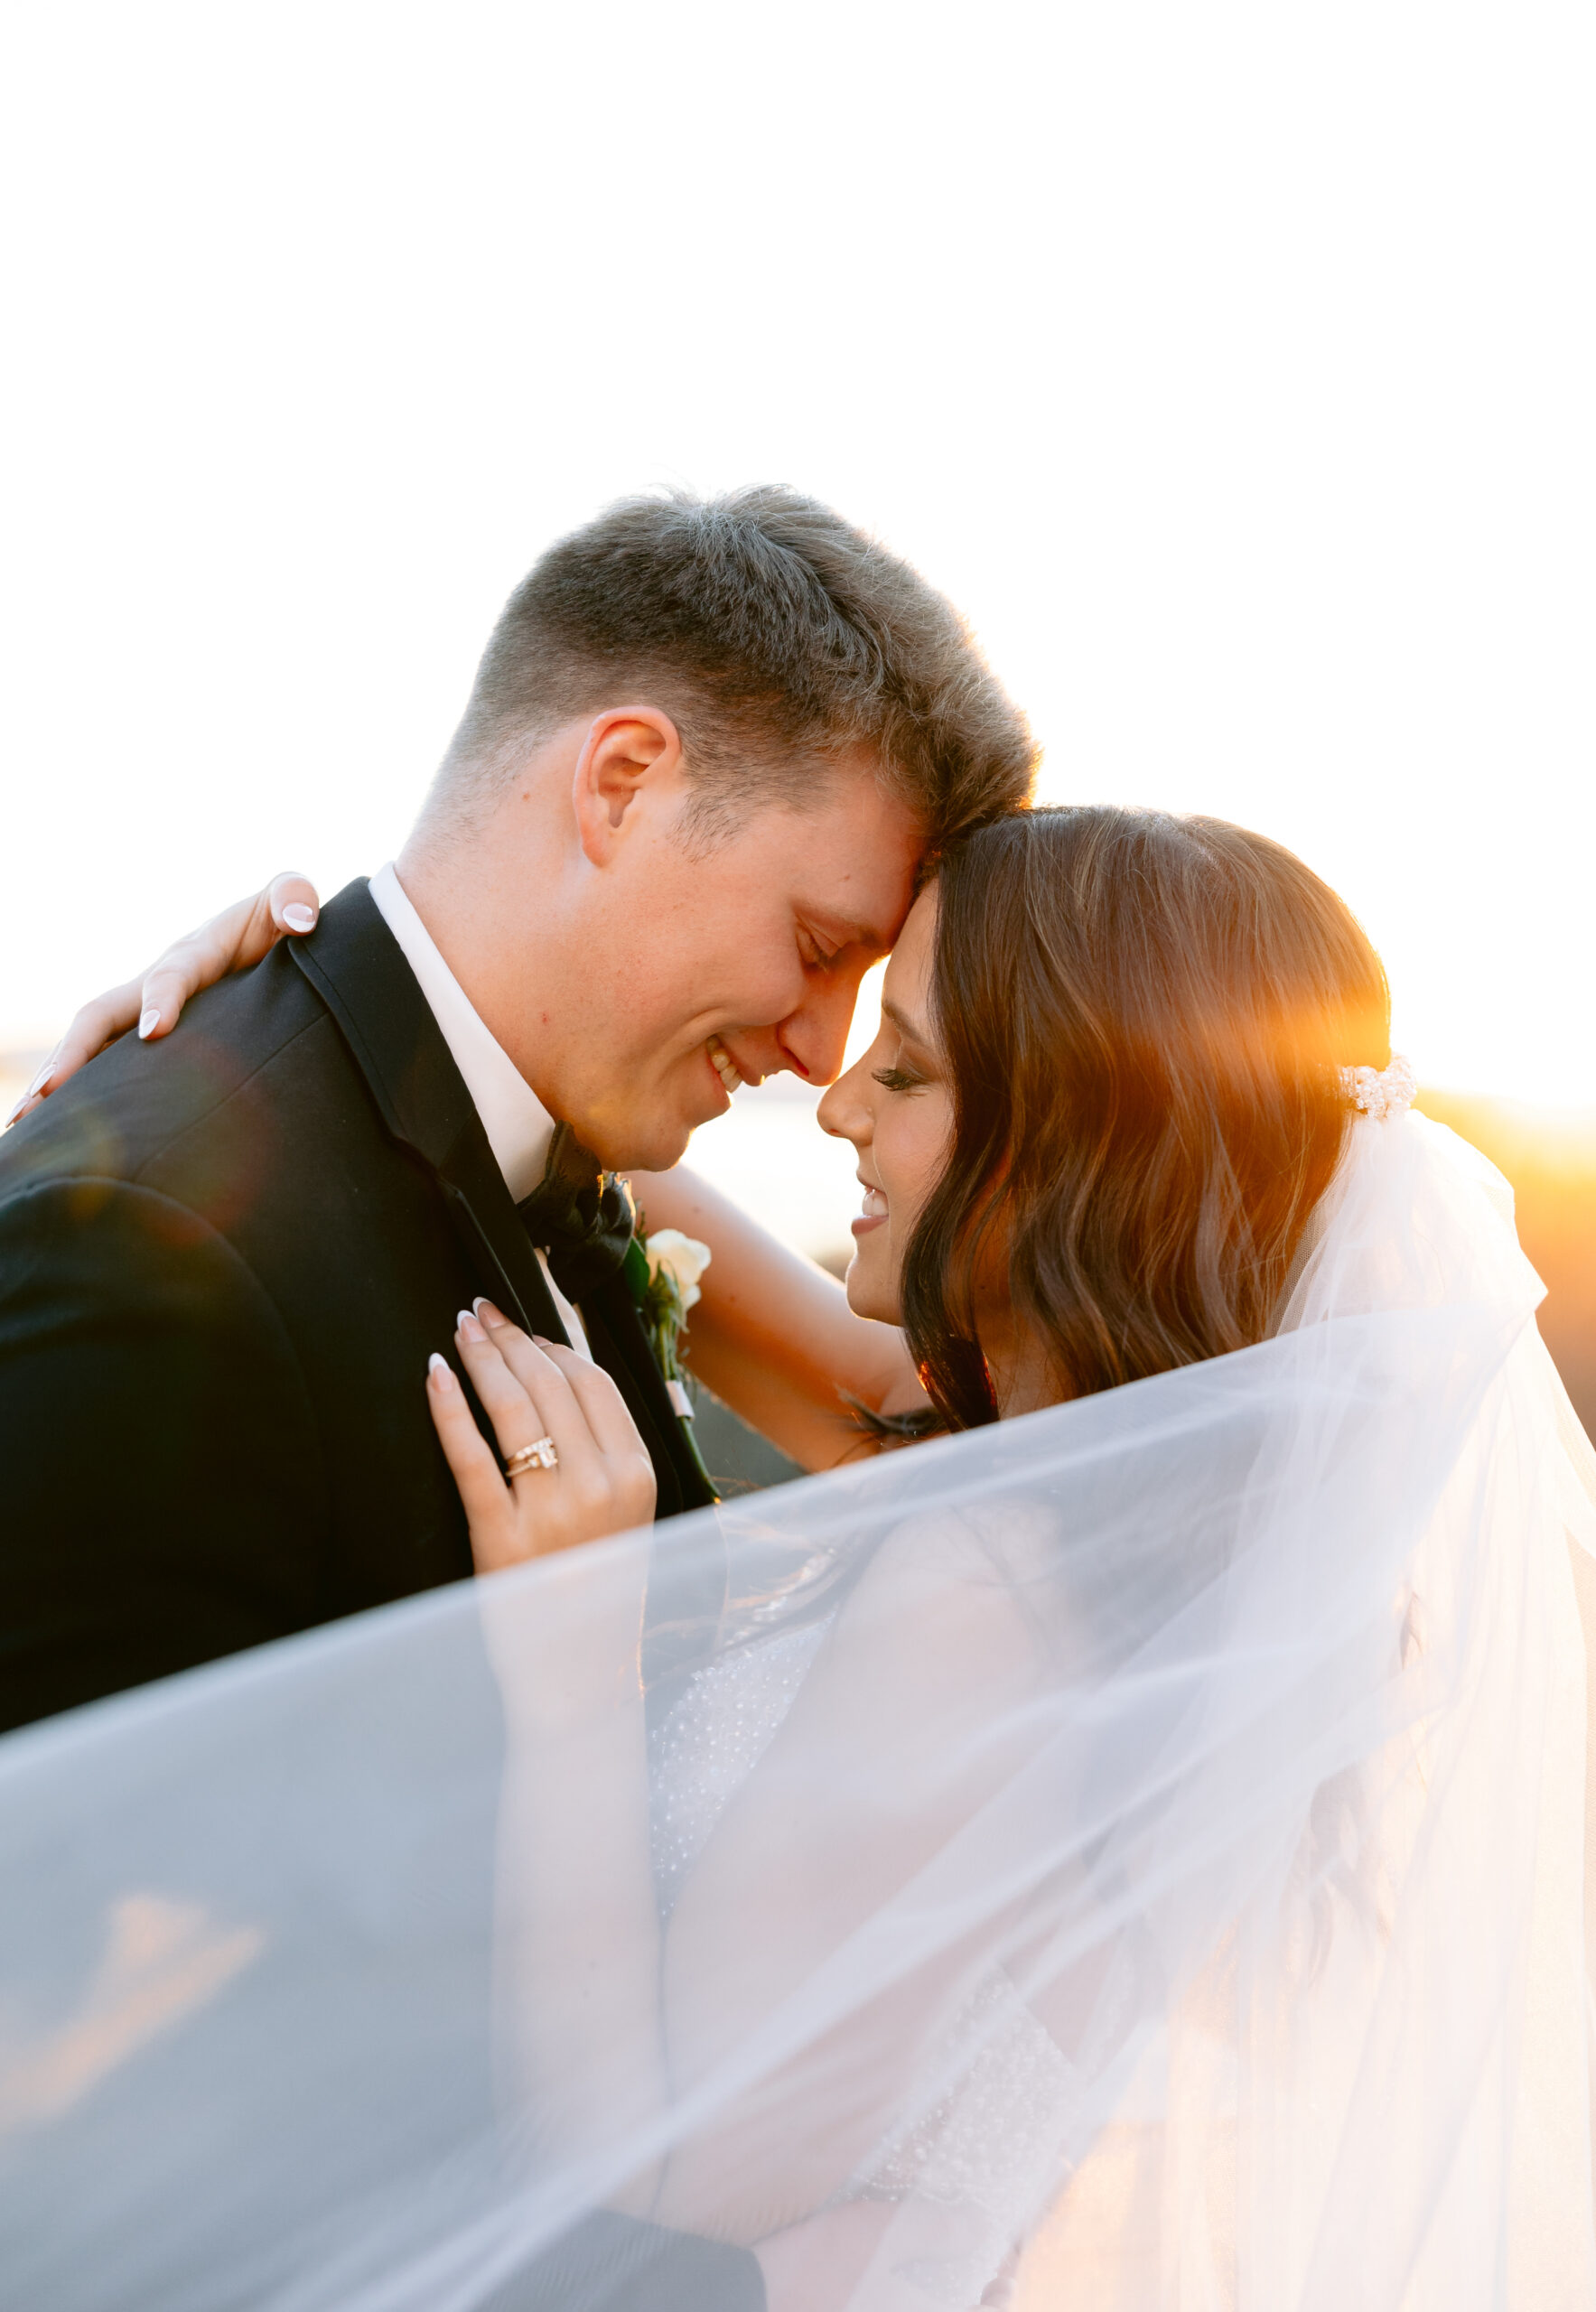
column 1143, row 1018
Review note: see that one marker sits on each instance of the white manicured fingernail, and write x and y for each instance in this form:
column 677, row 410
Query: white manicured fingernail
column 300, row 918
column 32, row 1091
column 469, row 1327
column 149, row 1020
column 437, row 1369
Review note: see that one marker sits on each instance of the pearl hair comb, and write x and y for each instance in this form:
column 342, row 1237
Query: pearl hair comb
column 1381, row 1091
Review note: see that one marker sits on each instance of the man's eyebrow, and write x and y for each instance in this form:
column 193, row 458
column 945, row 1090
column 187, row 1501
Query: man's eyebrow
column 906, row 1027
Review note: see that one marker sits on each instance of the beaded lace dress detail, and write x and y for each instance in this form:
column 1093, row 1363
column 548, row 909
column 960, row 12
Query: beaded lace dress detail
column 981, row 2144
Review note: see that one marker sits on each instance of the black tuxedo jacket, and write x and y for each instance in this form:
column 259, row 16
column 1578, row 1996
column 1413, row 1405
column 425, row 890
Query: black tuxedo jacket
column 224, row 1261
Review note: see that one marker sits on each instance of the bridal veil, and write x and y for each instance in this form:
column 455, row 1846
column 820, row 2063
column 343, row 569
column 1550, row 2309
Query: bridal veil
column 1132, row 1857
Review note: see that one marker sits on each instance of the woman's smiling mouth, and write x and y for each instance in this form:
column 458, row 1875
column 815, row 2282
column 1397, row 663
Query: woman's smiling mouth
column 876, row 1209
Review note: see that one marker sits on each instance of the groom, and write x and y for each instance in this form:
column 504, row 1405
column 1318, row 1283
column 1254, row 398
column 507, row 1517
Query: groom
column 707, row 748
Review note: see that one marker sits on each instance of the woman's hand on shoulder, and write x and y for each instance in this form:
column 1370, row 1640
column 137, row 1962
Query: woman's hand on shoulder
column 580, row 1469
column 232, row 941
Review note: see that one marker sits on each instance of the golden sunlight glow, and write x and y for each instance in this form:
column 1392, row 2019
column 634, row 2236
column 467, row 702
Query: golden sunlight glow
column 1264, row 480
column 867, row 1014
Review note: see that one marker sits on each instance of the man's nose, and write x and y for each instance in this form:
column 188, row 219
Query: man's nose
column 815, row 1037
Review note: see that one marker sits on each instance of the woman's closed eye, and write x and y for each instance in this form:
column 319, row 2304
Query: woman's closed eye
column 898, row 1079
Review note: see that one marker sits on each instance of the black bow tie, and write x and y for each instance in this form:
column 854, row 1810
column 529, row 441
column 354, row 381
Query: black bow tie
column 581, row 1217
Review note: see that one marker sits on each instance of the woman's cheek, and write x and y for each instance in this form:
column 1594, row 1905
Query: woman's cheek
column 911, row 1165
column 926, row 1151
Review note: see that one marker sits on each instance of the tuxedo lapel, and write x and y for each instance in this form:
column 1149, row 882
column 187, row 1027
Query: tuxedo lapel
column 356, row 965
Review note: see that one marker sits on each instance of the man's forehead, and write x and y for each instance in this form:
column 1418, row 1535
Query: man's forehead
column 854, row 787
column 859, row 878
column 867, row 908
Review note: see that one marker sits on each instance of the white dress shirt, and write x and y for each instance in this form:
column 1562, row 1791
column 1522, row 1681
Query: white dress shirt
column 520, row 1128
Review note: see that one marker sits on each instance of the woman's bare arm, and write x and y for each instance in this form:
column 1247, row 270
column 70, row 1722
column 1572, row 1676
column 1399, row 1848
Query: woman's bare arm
column 773, row 1334
column 231, row 942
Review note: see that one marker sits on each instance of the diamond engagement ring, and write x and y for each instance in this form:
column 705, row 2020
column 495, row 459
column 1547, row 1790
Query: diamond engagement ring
column 538, row 1456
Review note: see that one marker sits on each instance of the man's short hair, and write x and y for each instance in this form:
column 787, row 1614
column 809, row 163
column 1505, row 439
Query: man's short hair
column 772, row 632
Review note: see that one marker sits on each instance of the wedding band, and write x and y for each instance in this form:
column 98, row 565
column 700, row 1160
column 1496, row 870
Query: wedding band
column 539, row 1455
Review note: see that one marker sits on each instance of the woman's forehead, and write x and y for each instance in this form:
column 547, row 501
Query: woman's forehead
column 907, row 982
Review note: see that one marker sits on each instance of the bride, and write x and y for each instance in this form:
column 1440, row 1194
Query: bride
column 1126, row 1852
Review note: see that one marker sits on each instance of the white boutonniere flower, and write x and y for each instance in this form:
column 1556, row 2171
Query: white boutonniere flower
column 681, row 1258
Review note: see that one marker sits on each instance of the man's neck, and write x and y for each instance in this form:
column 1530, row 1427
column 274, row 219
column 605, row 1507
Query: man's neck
column 520, row 1128
column 494, row 951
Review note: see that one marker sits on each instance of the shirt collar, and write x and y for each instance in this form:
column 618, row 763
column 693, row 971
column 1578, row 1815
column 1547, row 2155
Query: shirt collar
column 519, row 1126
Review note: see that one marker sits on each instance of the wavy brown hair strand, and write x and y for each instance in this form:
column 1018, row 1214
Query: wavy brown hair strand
column 1143, row 1019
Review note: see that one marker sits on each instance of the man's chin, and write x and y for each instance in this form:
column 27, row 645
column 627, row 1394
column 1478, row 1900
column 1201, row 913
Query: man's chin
column 653, row 1139
column 643, row 1144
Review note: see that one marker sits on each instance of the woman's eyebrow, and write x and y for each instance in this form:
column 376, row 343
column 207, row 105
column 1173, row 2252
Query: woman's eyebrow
column 907, row 1028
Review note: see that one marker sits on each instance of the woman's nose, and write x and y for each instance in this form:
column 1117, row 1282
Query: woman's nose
column 843, row 1111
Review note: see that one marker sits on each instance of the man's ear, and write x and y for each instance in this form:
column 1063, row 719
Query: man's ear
column 625, row 748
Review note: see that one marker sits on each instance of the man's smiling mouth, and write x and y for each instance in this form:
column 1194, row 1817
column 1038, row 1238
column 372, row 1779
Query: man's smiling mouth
column 724, row 1066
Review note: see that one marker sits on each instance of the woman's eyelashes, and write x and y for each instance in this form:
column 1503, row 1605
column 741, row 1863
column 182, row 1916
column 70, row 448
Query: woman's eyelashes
column 898, row 1078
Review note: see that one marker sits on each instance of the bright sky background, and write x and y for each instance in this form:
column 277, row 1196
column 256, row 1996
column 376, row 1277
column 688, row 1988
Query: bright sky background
column 1232, row 367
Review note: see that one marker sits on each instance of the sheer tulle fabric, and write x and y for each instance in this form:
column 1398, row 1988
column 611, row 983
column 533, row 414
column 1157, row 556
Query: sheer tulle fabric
column 1130, row 1857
